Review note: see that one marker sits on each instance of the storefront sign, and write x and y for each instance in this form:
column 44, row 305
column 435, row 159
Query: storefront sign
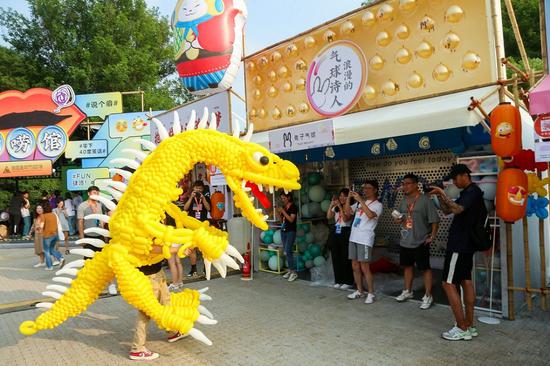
column 25, row 168
column 86, row 149
column 100, row 105
column 216, row 176
column 302, row 137
column 542, row 126
column 336, row 78
column 81, row 179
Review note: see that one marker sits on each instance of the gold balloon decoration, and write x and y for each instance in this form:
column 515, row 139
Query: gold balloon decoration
column 276, row 113
column 272, row 75
column 309, row 42
column 441, row 73
column 292, row 49
column 402, row 32
column 262, row 62
column 376, row 62
column 253, row 113
column 290, row 111
column 383, row 38
column 300, row 65
column 415, row 80
column 262, row 113
column 287, row 87
column 329, row 36
column 403, row 56
column 347, row 27
column 451, row 41
column 454, row 14
column 250, row 66
column 272, row 91
column 368, row 19
column 276, row 56
column 369, row 92
column 303, row 108
column 257, row 94
column 258, row 80
column 425, row 49
column 471, row 61
column 385, row 12
column 301, row 84
column 427, row 24
column 407, row 5
column 390, row 88
column 283, row 72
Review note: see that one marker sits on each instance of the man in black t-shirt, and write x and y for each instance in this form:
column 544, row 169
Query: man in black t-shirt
column 460, row 251
column 197, row 206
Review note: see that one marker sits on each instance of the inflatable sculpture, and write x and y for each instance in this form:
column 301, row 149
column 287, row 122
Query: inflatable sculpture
column 137, row 235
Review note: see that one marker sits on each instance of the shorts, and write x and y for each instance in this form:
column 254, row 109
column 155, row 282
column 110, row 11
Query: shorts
column 458, row 267
column 359, row 252
column 419, row 255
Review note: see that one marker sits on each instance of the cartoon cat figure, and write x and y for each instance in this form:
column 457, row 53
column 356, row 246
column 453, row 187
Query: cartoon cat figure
column 208, row 42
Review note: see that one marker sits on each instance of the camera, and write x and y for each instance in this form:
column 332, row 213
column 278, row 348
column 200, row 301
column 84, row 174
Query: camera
column 336, row 209
column 197, row 194
column 430, row 186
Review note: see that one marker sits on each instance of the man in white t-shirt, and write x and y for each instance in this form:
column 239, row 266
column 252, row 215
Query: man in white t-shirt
column 366, row 210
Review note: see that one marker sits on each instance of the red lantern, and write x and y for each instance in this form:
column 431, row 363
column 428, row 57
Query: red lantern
column 506, row 130
column 511, row 198
column 217, row 205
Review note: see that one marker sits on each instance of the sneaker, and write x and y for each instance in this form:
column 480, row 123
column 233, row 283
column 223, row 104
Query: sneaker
column 457, row 334
column 192, row 274
column 173, row 287
column 176, row 337
column 286, row 275
column 49, row 268
column 405, row 295
column 180, row 285
column 61, row 262
column 369, row 299
column 67, row 252
column 337, row 286
column 473, row 331
column 113, row 291
column 143, row 355
column 55, row 263
column 427, row 301
column 356, row 295
column 38, row 265
column 292, row 277
column 345, row 287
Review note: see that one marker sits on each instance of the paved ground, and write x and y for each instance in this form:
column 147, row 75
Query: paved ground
column 267, row 321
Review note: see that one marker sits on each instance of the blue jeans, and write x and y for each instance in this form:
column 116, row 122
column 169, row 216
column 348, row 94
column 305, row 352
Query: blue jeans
column 72, row 224
column 288, row 237
column 26, row 225
column 49, row 250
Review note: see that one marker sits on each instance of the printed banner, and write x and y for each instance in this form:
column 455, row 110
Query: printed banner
column 100, row 105
column 129, row 124
column 25, row 168
column 86, row 149
column 81, row 179
column 302, row 137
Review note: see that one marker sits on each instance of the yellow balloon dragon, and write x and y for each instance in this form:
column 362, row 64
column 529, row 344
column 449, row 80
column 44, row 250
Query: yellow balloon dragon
column 135, row 225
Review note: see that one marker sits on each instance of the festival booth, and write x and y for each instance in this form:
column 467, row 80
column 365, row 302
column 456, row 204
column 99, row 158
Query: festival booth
column 388, row 89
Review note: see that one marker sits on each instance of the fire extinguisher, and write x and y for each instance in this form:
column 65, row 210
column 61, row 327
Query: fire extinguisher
column 246, row 265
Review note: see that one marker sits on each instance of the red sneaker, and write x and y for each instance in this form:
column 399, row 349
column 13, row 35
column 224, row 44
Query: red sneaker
column 176, row 337
column 143, row 355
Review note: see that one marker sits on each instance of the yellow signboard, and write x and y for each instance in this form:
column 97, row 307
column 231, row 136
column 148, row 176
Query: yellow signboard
column 413, row 49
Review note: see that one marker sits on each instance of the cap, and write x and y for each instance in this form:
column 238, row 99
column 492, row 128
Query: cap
column 456, row 170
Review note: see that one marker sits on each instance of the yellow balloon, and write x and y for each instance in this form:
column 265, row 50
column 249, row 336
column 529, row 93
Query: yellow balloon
column 376, row 62
column 383, row 38
column 425, row 49
column 303, row 108
column 276, row 56
column 471, row 61
column 276, row 113
column 451, row 41
column 403, row 56
column 415, row 80
column 390, row 88
column 454, row 14
column 347, row 27
column 369, row 92
column 441, row 73
column 309, row 42
column 385, row 12
column 402, row 32
column 272, row 91
column 368, row 19
column 258, row 80
column 287, row 87
column 257, row 94
column 272, row 75
column 283, row 72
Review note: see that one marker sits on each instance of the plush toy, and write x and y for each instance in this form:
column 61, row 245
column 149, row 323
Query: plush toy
column 525, row 160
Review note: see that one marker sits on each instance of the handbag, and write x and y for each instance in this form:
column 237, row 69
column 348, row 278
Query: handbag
column 60, row 233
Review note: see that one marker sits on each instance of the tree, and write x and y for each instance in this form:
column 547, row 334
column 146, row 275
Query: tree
column 95, row 46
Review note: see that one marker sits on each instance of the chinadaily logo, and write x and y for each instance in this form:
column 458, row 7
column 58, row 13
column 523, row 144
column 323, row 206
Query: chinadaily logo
column 336, row 78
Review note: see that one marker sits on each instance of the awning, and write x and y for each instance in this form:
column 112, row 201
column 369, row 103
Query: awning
column 427, row 115
column 539, row 97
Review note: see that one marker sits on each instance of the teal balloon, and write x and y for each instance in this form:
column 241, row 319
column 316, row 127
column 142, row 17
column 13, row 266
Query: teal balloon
column 305, row 210
column 304, row 196
column 325, row 205
column 301, row 239
column 315, row 250
column 302, row 247
column 277, row 237
column 309, row 264
column 313, row 178
column 272, row 263
column 316, row 193
column 264, row 256
column 309, row 238
column 315, row 209
column 272, row 253
column 268, row 238
column 319, row 261
column 306, row 228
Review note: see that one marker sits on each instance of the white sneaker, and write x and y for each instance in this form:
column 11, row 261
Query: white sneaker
column 49, row 268
column 173, row 287
column 345, row 287
column 38, row 265
column 55, row 263
column 405, row 295
column 336, row 286
column 286, row 275
column 369, row 299
column 356, row 295
column 427, row 301
column 292, row 277
column 112, row 289
column 456, row 334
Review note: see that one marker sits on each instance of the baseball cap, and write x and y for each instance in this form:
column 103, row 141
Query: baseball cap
column 456, row 170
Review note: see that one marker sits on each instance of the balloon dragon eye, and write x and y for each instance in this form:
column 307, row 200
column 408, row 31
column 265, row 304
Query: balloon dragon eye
column 261, row 158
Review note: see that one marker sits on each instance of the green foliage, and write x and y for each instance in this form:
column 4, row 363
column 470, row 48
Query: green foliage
column 527, row 16
column 33, row 186
column 95, row 46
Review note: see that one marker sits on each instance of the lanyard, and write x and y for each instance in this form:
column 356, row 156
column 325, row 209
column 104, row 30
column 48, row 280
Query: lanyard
column 410, row 206
column 283, row 217
column 197, row 204
column 368, row 206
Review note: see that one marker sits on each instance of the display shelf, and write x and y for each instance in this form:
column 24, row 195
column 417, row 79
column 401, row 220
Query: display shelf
column 280, row 262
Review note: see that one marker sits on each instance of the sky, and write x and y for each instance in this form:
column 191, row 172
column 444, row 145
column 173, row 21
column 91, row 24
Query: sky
column 269, row 21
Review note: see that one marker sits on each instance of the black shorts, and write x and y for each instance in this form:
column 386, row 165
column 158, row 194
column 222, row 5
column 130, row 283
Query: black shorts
column 458, row 267
column 420, row 256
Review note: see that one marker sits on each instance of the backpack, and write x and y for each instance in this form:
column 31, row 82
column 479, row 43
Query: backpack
column 480, row 232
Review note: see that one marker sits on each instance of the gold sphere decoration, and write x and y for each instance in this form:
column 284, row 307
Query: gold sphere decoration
column 276, row 113
column 309, row 42
column 283, row 72
column 253, row 113
column 262, row 62
column 425, row 49
column 441, row 73
column 407, row 5
column 377, row 62
column 385, row 12
column 471, row 61
column 368, row 19
column 262, row 113
column 287, row 87
column 329, row 36
column 251, row 66
column 369, row 93
column 276, row 56
column 383, row 38
column 402, row 32
column 303, row 108
column 403, row 56
column 427, row 24
column 300, row 65
column 272, row 75
column 415, row 80
column 454, row 14
column 258, row 81
column 347, row 27
column 451, row 41
column 272, row 92
column 257, row 94
column 390, row 88
column 301, row 84
column 292, row 50
column 290, row 111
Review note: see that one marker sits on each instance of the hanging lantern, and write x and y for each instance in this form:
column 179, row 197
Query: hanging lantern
column 506, row 130
column 217, row 205
column 511, row 197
